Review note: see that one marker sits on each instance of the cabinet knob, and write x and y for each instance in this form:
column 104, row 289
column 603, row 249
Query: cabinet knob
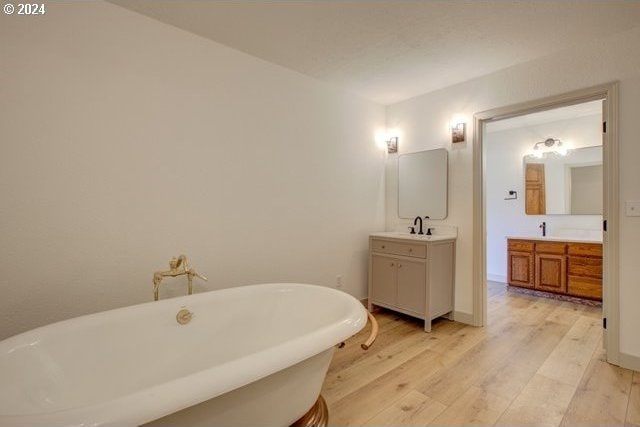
column 392, row 264
column 383, row 246
column 399, row 265
column 410, row 249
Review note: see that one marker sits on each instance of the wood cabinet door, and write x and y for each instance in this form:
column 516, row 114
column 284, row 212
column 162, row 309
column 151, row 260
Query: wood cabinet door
column 534, row 203
column 551, row 273
column 412, row 286
column 383, row 279
column 520, row 269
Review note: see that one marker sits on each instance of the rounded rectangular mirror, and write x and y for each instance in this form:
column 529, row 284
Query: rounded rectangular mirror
column 422, row 184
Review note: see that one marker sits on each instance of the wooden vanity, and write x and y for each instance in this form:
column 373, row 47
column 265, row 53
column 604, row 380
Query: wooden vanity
column 564, row 267
column 412, row 275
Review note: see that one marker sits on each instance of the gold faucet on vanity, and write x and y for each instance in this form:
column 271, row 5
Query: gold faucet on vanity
column 177, row 267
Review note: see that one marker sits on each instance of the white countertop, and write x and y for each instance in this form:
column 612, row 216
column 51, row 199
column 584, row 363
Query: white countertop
column 558, row 239
column 418, row 237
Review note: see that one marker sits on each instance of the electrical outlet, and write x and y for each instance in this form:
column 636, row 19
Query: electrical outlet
column 339, row 281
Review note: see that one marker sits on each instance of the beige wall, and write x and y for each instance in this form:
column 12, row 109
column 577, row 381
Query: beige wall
column 422, row 123
column 126, row 141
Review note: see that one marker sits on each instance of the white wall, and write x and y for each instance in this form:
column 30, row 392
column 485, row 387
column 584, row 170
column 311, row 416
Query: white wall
column 504, row 153
column 126, row 141
column 423, row 124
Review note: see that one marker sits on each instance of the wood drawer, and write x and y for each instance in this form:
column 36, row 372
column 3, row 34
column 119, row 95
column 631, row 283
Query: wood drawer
column 583, row 266
column 586, row 249
column 521, row 245
column 585, row 287
column 551, row 248
column 399, row 248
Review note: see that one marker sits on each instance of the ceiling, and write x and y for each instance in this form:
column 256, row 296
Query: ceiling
column 391, row 50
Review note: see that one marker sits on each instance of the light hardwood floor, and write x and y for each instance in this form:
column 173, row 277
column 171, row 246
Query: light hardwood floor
column 538, row 362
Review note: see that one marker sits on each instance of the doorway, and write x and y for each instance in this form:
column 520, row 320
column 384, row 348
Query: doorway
column 604, row 95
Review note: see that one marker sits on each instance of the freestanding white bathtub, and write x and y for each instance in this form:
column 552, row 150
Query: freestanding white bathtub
column 253, row 355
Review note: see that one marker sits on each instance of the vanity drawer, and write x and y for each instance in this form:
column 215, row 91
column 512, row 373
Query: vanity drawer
column 399, row 248
column 583, row 266
column 551, row 248
column 585, row 287
column 586, row 249
column 521, row 245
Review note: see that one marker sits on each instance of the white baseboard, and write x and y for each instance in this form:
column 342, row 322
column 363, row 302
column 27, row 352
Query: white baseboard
column 462, row 317
column 629, row 361
column 497, row 278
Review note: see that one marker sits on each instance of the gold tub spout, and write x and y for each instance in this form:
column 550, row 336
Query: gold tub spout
column 177, row 267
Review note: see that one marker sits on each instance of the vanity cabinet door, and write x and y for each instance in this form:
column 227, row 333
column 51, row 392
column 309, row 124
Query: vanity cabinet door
column 383, row 279
column 551, row 273
column 411, row 286
column 520, row 269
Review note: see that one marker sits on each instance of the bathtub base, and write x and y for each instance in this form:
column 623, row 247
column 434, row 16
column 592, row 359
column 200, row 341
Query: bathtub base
column 317, row 416
column 274, row 401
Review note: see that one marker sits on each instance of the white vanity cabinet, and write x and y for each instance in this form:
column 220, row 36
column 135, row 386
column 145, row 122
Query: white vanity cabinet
column 412, row 275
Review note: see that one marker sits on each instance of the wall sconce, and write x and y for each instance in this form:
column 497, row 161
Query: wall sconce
column 552, row 145
column 458, row 132
column 392, row 145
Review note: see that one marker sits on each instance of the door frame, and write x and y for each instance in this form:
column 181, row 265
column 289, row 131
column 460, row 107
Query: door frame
column 607, row 92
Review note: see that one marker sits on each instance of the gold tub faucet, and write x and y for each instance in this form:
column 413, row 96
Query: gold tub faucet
column 177, row 267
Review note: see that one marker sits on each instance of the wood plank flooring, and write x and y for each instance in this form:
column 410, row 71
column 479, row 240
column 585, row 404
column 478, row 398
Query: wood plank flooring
column 538, row 362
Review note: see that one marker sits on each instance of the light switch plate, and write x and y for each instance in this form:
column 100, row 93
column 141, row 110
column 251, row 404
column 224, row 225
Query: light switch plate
column 632, row 208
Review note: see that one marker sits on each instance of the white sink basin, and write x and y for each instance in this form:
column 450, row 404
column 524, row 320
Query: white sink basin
column 423, row 237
